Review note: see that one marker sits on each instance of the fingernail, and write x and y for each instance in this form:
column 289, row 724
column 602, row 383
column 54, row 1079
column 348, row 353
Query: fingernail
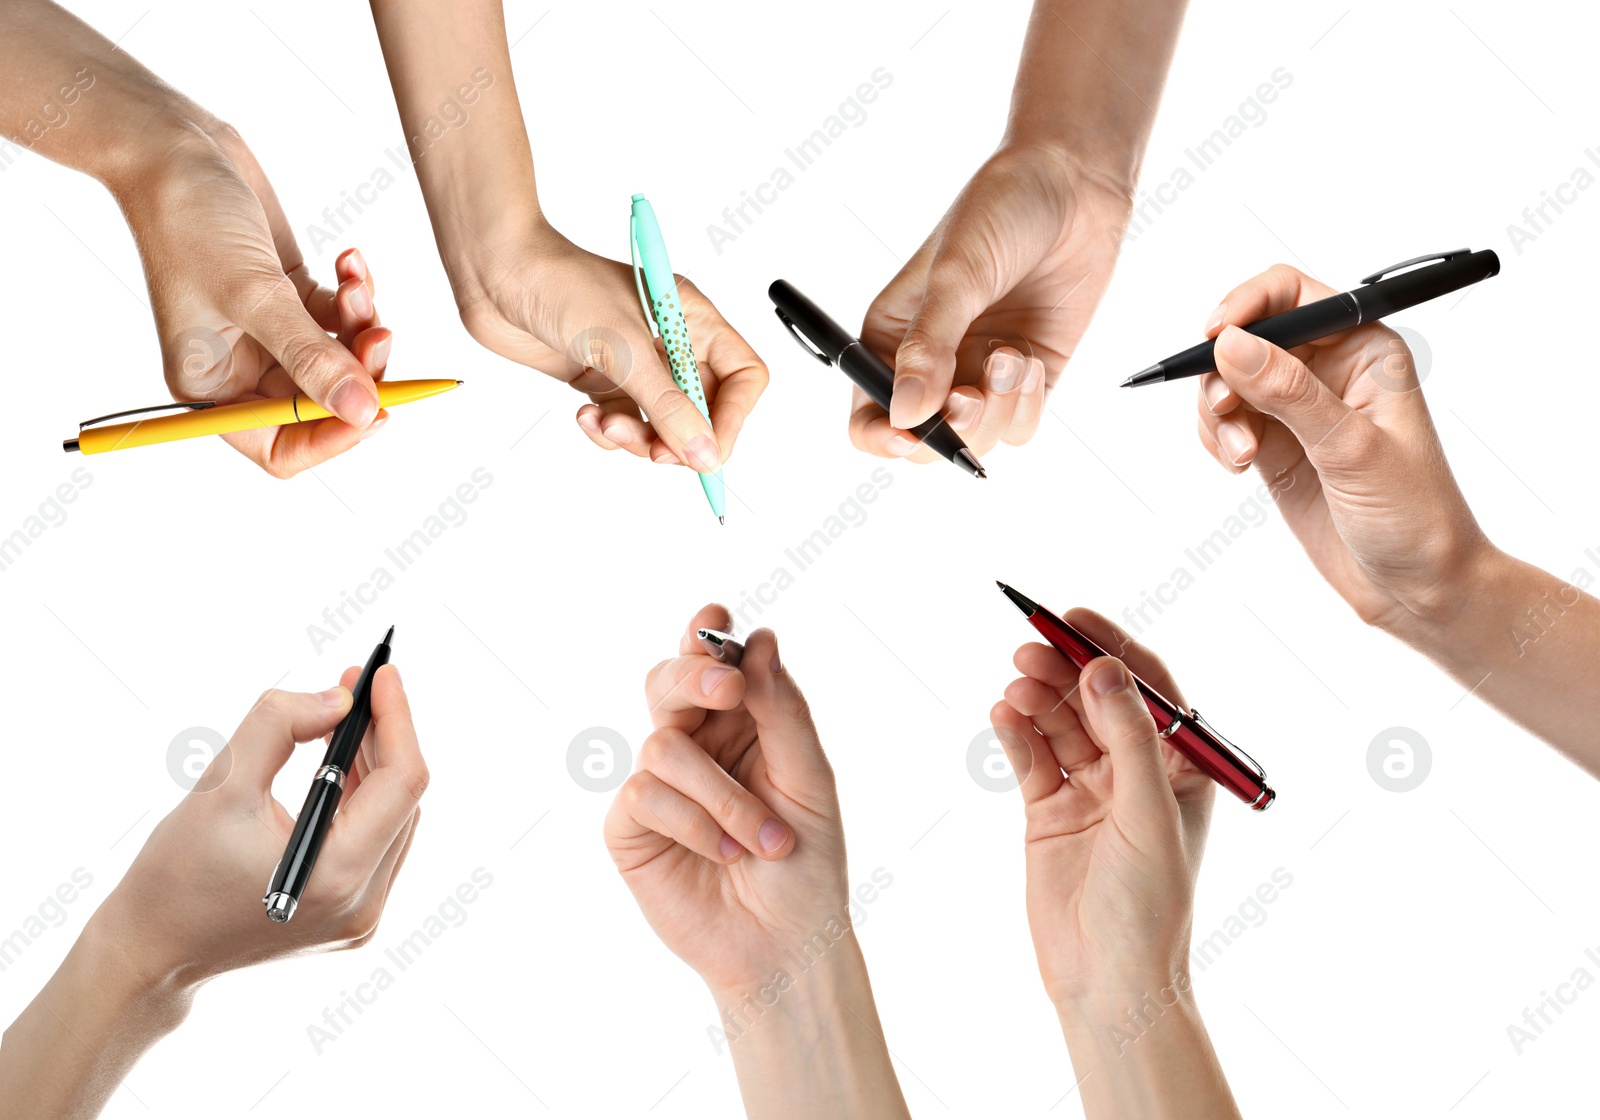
column 1242, row 350
column 776, row 664
column 906, row 402
column 358, row 264
column 666, row 456
column 772, row 835
column 1035, row 375
column 353, row 402
column 617, row 433
column 1216, row 317
column 703, row 455
column 1236, row 442
column 333, row 698
column 962, row 410
column 1004, row 369
column 380, row 352
column 588, row 423
column 713, row 677
column 373, row 428
column 1216, row 390
column 901, row 445
column 360, row 302
column 729, row 847
column 1108, row 679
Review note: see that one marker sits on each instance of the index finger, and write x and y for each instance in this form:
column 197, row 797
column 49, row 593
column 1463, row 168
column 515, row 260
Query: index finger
column 372, row 816
column 737, row 375
column 1280, row 288
column 1117, row 642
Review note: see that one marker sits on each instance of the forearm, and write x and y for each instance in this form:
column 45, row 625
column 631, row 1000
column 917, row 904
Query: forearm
column 1142, row 1050
column 810, row 1044
column 1090, row 79
column 1527, row 643
column 71, row 95
column 451, row 72
column 70, row 1049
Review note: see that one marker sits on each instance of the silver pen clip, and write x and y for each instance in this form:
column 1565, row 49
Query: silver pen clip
column 1260, row 771
column 1426, row 258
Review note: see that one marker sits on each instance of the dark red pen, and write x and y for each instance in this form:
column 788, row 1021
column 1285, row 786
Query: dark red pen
column 1190, row 735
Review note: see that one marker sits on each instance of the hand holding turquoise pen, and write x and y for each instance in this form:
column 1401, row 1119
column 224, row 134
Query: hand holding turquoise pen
column 658, row 294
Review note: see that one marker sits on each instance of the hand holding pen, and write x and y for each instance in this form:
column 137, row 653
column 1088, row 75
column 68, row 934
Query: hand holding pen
column 189, row 907
column 729, row 836
column 1116, row 824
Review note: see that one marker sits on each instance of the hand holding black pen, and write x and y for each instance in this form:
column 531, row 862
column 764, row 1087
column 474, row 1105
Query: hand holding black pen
column 322, row 802
column 187, row 909
column 829, row 343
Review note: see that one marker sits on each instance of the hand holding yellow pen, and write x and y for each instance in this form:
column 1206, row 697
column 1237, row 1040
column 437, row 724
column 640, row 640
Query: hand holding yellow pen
column 206, row 418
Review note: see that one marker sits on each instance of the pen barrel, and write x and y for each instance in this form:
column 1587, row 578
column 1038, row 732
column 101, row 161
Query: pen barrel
column 1190, row 738
column 813, row 322
column 346, row 739
column 1396, row 293
column 305, row 843
column 876, row 379
column 1218, row 761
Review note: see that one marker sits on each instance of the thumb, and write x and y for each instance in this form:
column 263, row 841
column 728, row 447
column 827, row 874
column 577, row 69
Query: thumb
column 1278, row 384
column 324, row 369
column 782, row 717
column 960, row 286
column 1141, row 794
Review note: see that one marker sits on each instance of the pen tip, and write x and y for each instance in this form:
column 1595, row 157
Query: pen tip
column 1126, row 382
column 1000, row 585
column 970, row 462
column 722, row 520
column 1154, row 375
column 389, row 637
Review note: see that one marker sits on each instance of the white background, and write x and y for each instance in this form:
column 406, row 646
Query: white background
column 1418, row 925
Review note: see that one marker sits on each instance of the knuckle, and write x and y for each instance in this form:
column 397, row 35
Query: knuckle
column 415, row 778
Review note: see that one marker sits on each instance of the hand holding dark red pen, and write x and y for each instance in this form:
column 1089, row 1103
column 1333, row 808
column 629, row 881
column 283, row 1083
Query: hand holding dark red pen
column 1116, row 826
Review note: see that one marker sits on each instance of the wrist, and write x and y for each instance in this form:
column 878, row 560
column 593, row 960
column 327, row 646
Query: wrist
column 1431, row 617
column 798, row 1001
column 482, row 259
column 1123, row 1002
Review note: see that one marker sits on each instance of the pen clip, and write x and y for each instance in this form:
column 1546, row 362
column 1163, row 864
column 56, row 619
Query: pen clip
column 189, row 405
column 1424, row 259
column 805, row 343
column 638, row 276
column 1259, row 770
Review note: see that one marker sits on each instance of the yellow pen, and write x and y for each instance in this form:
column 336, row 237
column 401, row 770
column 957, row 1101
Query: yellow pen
column 207, row 418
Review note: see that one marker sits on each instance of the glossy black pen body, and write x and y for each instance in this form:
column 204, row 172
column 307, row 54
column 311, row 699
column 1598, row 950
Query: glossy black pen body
column 1379, row 295
column 829, row 343
column 293, row 873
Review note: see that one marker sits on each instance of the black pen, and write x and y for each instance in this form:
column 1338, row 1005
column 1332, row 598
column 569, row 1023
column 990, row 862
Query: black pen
column 831, row 344
column 721, row 645
column 1380, row 294
column 316, row 816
